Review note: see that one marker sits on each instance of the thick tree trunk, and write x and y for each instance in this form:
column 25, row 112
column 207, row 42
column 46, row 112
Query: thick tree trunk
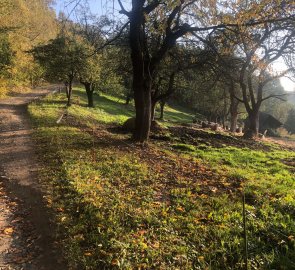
column 89, row 92
column 252, row 126
column 142, row 73
column 142, row 98
column 90, row 99
column 162, row 105
column 233, row 122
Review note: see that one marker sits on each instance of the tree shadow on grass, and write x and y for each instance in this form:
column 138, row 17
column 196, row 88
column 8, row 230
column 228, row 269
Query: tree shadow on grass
column 109, row 106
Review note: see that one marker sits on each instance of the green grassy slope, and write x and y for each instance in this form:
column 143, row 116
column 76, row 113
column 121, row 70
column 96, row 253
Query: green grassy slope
column 111, row 109
column 175, row 204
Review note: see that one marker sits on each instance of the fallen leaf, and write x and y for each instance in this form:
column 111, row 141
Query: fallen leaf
column 156, row 245
column 8, row 231
column 115, row 262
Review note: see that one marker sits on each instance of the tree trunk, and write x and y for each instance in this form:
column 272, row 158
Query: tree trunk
column 153, row 110
column 252, row 126
column 233, row 122
column 142, row 73
column 224, row 113
column 127, row 101
column 32, row 82
column 142, row 98
column 89, row 92
column 162, row 105
column 69, row 89
column 233, row 114
column 90, row 99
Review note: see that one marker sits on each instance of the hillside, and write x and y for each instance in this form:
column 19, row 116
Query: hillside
column 291, row 99
column 173, row 204
column 135, row 135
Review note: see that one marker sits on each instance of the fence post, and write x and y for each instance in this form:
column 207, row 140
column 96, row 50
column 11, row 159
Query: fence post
column 245, row 233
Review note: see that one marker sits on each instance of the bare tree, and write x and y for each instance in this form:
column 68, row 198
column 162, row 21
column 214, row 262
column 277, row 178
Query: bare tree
column 260, row 48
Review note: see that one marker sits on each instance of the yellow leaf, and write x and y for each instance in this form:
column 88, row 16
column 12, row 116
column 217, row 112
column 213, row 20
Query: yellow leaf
column 8, row 230
column 156, row 245
column 143, row 245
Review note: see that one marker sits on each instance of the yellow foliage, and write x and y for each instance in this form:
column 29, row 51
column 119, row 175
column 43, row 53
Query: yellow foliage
column 29, row 23
column 3, row 88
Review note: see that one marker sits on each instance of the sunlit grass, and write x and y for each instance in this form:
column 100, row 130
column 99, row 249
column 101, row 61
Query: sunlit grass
column 115, row 212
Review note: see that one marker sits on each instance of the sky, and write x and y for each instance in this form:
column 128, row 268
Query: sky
column 100, row 7
column 285, row 81
column 287, row 84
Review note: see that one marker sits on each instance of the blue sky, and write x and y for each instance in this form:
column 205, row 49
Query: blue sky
column 99, row 7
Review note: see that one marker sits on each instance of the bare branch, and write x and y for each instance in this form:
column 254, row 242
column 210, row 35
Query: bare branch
column 123, row 10
column 148, row 9
column 277, row 96
column 110, row 41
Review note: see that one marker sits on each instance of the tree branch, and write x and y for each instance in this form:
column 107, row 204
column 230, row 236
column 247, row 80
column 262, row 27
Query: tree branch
column 110, row 41
column 123, row 10
column 278, row 96
column 148, row 9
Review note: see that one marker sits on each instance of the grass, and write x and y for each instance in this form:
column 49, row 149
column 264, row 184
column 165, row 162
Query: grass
column 246, row 163
column 112, row 110
column 176, row 114
column 169, row 206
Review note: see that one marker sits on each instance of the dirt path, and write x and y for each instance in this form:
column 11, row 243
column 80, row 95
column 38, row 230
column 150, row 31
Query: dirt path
column 25, row 231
